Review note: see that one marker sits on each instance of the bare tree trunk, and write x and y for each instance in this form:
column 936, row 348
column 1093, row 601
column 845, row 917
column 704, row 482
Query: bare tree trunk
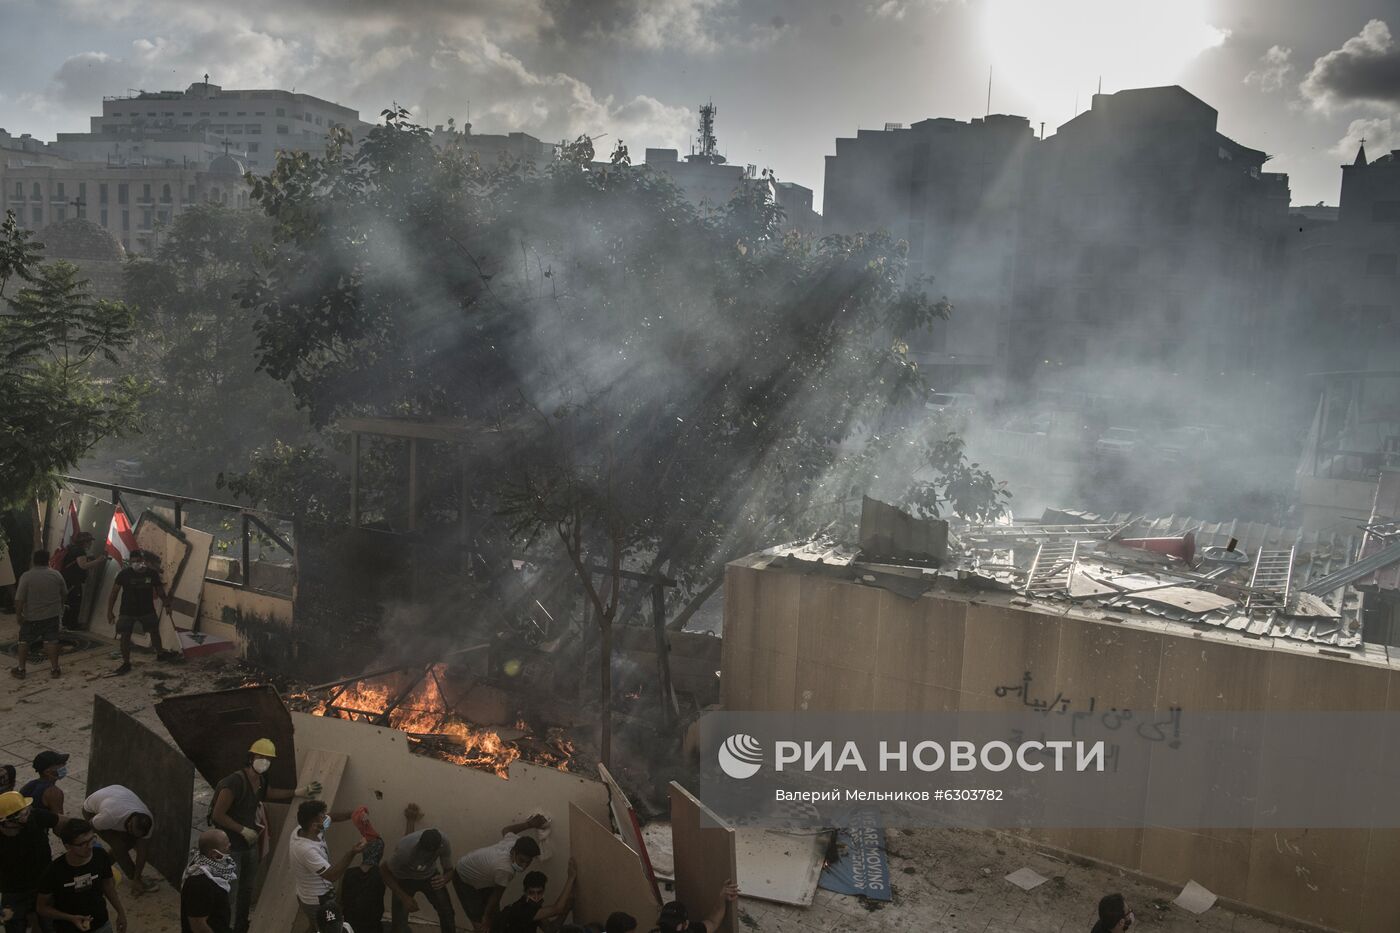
column 605, row 639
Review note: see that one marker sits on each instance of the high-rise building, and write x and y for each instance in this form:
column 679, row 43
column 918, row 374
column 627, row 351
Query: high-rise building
column 152, row 155
column 1131, row 234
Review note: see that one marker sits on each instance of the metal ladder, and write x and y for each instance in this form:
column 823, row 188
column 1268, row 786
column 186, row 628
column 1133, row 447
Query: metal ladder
column 1273, row 572
column 1051, row 567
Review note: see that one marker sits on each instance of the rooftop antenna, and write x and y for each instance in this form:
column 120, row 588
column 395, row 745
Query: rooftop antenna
column 709, row 146
column 989, row 91
column 1100, row 90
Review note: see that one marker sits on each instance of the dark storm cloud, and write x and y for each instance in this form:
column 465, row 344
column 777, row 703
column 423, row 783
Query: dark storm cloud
column 1366, row 69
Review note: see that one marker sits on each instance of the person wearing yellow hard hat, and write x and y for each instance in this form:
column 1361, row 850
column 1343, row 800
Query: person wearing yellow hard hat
column 24, row 854
column 238, row 810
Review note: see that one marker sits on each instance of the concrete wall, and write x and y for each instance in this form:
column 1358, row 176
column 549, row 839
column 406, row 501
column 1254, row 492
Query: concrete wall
column 794, row 641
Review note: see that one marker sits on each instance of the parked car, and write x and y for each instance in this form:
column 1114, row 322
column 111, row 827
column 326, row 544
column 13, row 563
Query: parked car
column 1187, row 444
column 962, row 402
column 1118, row 442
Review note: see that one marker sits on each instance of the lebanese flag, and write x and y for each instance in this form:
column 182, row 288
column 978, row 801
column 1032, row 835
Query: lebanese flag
column 120, row 540
column 70, row 531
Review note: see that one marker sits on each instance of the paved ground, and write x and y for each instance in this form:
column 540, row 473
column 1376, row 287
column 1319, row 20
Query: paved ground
column 945, row 881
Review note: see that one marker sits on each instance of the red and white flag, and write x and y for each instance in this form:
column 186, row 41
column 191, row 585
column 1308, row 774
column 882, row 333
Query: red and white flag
column 121, row 542
column 70, row 531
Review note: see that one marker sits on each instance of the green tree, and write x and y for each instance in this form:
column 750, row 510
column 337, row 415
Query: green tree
column 210, row 407
column 652, row 388
column 55, row 402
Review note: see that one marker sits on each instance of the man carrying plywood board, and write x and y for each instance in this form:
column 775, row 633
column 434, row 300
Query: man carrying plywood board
column 705, row 868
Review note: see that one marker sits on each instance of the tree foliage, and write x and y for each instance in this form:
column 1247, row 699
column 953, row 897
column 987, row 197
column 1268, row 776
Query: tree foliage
column 648, row 386
column 210, row 407
column 56, row 402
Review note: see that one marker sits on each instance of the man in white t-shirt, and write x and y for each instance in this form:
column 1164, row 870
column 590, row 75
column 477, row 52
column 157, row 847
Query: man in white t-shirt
column 312, row 871
column 125, row 824
column 482, row 875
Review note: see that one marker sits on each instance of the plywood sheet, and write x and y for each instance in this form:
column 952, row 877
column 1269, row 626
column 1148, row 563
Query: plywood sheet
column 1001, row 647
column 705, row 857
column 920, row 640
column 610, row 875
column 215, row 730
column 778, row 866
column 468, row 806
column 628, row 825
column 277, row 904
column 838, row 623
column 125, row 752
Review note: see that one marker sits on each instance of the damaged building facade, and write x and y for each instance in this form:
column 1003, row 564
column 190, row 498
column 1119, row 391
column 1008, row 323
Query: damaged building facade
column 1083, row 614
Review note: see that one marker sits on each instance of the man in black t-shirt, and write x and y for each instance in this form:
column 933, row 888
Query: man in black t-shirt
column 24, row 854
column 527, row 912
column 78, row 885
column 74, row 567
column 138, row 585
column 205, row 904
column 362, row 891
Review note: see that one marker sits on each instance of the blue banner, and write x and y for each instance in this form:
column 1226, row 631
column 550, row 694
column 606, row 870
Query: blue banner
column 863, row 868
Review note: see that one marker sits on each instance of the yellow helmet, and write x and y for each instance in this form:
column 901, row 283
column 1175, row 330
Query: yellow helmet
column 11, row 803
column 263, row 747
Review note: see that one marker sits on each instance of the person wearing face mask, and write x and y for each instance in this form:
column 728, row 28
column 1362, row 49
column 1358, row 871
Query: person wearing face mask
column 138, row 585
column 205, row 905
column 238, row 810
column 24, row 854
column 528, row 912
column 482, row 875
column 44, row 790
column 313, row 873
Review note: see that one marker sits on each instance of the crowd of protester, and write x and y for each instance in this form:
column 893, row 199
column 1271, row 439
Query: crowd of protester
column 108, row 838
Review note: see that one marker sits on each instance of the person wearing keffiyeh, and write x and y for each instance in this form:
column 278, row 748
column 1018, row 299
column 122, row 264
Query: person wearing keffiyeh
column 204, row 891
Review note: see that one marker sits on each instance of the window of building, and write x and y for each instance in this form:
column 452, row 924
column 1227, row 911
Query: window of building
column 150, row 113
column 216, row 129
column 223, row 113
column 146, row 219
column 1386, row 212
column 122, row 195
column 146, row 193
column 241, row 113
column 318, row 121
column 1381, row 264
column 235, row 129
column 60, row 212
column 58, row 192
column 114, row 113
column 163, row 216
column 126, row 220
column 187, row 113
column 35, row 194
column 281, row 111
column 19, row 191
column 204, row 113
column 254, row 129
column 165, row 196
column 253, row 147
column 259, row 113
column 214, row 195
column 37, row 215
column 282, row 129
column 102, row 192
column 103, row 215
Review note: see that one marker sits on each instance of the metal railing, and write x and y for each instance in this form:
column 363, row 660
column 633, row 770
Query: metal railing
column 249, row 519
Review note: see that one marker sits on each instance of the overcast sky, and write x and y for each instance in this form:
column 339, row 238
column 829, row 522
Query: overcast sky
column 1300, row 79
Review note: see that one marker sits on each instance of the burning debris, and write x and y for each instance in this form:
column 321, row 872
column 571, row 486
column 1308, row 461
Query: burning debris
column 432, row 705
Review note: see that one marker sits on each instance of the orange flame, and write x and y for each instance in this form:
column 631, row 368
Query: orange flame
column 426, row 714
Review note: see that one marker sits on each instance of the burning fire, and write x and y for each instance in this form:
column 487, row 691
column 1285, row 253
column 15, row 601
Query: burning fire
column 426, row 715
